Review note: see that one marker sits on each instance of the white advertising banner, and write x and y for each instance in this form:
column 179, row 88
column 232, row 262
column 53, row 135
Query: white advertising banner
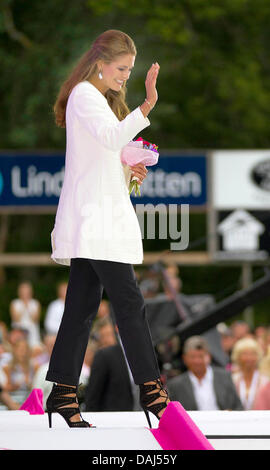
column 240, row 179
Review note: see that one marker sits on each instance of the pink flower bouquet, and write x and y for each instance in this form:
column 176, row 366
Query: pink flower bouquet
column 139, row 151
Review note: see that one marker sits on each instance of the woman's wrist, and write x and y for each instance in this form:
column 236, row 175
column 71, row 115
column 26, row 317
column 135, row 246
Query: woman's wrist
column 146, row 107
column 150, row 104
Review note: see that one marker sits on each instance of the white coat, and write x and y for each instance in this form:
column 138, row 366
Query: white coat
column 95, row 217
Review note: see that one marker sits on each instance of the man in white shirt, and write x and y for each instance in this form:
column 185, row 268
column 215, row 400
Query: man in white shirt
column 55, row 310
column 203, row 386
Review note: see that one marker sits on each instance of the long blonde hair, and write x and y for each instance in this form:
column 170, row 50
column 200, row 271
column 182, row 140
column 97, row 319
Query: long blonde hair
column 106, row 47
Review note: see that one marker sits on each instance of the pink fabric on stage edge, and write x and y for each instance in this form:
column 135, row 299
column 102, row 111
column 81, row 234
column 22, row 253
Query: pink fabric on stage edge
column 34, row 402
column 177, row 431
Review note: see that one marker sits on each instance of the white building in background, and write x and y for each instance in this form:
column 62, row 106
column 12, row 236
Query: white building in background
column 241, row 231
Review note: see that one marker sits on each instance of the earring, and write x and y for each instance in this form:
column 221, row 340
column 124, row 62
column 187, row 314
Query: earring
column 100, row 75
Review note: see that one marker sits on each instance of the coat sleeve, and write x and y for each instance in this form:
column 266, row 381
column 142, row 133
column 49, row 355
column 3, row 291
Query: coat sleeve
column 236, row 403
column 93, row 114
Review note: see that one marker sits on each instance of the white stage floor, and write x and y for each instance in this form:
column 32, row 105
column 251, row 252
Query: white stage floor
column 226, row 430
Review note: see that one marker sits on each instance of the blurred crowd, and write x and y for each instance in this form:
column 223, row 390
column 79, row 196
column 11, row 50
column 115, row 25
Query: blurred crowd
column 106, row 382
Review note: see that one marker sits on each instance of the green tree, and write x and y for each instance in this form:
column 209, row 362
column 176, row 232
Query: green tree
column 213, row 83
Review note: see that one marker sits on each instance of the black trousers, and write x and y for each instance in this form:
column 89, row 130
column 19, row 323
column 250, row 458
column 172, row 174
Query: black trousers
column 87, row 278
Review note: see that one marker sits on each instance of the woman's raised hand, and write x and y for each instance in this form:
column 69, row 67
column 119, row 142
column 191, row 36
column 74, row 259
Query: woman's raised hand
column 150, row 84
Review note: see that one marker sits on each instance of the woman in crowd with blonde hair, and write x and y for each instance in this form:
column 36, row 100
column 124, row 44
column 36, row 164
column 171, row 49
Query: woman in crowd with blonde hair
column 25, row 313
column 248, row 380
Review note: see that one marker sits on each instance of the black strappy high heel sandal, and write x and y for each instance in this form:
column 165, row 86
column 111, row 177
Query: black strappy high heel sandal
column 57, row 401
column 147, row 399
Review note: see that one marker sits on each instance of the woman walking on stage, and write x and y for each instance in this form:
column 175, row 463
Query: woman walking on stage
column 96, row 230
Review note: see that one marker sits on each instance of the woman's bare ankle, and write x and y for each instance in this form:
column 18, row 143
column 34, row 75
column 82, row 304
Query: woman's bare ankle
column 65, row 385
